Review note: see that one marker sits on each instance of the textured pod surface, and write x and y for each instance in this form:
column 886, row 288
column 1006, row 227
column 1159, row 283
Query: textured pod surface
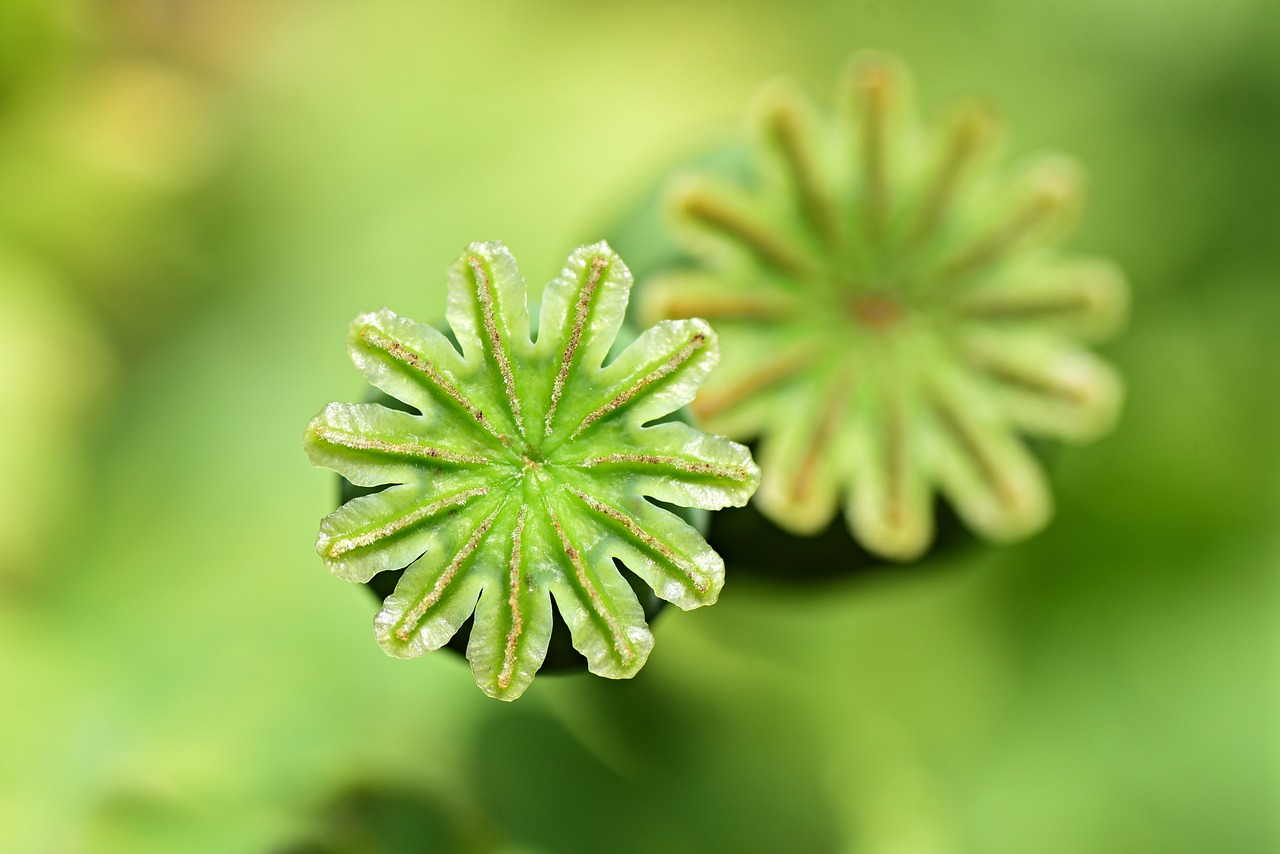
column 894, row 316
column 561, row 656
column 526, row 474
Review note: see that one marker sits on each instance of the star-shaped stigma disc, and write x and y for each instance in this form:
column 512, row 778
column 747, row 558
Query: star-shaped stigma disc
column 894, row 316
column 526, row 474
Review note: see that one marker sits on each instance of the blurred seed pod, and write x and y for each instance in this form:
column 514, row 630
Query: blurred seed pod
column 899, row 325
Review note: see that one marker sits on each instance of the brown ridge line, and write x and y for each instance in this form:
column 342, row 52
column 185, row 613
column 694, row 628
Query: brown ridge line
column 875, row 87
column 339, row 547
column 724, row 308
column 513, row 600
column 786, row 123
column 1022, row 379
column 709, row 404
column 484, row 292
column 689, row 570
column 411, row 620
column 405, row 356
column 963, row 435
column 895, row 457
column 729, row 472
column 357, row 442
column 621, row 644
column 598, row 265
column 963, row 143
column 996, row 309
column 724, row 216
column 834, row 410
column 673, row 363
column 988, row 248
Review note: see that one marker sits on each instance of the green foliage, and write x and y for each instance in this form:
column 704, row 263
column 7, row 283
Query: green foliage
column 524, row 476
column 893, row 316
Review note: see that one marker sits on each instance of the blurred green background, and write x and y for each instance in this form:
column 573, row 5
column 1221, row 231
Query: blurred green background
column 196, row 197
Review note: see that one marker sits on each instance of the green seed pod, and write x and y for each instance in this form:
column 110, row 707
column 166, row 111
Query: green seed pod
column 527, row 472
column 561, row 656
column 895, row 317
